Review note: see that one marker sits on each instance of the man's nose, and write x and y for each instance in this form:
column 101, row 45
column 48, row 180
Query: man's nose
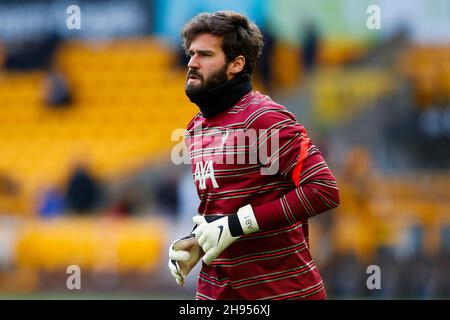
column 193, row 62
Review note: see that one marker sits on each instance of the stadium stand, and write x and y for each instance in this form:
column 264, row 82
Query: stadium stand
column 339, row 95
column 428, row 69
column 100, row 244
column 127, row 101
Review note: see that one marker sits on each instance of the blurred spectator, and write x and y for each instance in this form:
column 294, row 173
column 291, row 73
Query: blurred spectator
column 310, row 47
column 8, row 186
column 187, row 194
column 359, row 178
column 83, row 190
column 51, row 203
column 56, row 90
column 9, row 195
column 126, row 204
column 166, row 194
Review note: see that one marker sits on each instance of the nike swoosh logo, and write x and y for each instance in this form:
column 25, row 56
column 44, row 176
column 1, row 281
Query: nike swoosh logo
column 220, row 234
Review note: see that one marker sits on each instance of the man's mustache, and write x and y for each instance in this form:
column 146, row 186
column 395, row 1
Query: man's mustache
column 193, row 72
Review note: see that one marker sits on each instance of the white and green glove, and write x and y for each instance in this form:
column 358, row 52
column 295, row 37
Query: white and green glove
column 215, row 236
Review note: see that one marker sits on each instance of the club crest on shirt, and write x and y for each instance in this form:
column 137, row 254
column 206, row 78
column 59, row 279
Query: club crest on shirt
column 204, row 171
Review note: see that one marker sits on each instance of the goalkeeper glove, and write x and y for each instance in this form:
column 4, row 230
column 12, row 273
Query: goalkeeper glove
column 214, row 237
column 184, row 254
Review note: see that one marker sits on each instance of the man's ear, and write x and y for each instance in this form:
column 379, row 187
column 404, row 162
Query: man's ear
column 236, row 66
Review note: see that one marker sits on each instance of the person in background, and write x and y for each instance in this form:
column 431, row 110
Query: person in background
column 83, row 190
column 310, row 47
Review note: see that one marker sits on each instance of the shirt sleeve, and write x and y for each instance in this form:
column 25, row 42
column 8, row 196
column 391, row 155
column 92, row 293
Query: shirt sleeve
column 298, row 160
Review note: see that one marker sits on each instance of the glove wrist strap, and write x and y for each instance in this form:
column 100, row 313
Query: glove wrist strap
column 247, row 219
column 235, row 226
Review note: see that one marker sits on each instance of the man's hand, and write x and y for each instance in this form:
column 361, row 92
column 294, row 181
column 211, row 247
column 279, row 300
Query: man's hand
column 215, row 235
column 184, row 254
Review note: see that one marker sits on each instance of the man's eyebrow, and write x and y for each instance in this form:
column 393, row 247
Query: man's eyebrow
column 201, row 51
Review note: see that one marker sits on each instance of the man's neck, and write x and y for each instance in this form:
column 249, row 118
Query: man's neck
column 215, row 100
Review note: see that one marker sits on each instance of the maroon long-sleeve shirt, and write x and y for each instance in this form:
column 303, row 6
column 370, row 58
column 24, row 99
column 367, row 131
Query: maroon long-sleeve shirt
column 257, row 153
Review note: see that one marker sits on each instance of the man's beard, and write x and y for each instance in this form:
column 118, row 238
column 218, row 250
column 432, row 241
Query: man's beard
column 214, row 80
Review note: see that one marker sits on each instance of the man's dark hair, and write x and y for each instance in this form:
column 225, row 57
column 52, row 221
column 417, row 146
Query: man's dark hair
column 239, row 35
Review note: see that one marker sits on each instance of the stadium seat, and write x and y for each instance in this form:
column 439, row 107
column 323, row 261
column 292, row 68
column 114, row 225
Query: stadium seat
column 126, row 97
